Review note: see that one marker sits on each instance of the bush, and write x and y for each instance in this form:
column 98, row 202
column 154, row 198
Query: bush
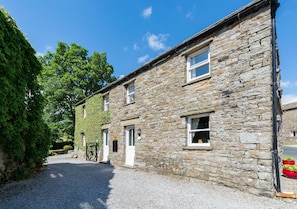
column 60, row 145
column 52, row 153
column 67, row 147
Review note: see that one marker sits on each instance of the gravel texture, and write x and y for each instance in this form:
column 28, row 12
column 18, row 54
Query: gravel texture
column 73, row 183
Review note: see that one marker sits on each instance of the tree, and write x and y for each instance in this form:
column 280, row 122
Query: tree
column 70, row 75
column 24, row 138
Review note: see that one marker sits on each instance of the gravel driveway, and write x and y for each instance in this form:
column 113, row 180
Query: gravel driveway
column 73, row 183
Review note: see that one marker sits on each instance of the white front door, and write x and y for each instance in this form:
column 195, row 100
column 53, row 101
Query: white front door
column 105, row 144
column 130, row 145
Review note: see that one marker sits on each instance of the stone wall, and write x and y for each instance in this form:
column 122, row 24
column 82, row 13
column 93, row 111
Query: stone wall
column 237, row 95
column 289, row 124
column 90, row 125
column 7, row 166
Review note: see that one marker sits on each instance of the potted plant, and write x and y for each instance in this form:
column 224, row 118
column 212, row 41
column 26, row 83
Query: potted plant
column 290, row 171
column 288, row 161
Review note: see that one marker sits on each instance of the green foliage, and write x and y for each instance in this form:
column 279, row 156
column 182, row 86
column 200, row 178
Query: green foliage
column 67, row 147
column 52, row 153
column 23, row 133
column 69, row 76
column 61, row 144
column 91, row 125
column 289, row 158
column 290, row 167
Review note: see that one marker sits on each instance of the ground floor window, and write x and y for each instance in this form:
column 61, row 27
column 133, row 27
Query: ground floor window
column 198, row 130
column 294, row 133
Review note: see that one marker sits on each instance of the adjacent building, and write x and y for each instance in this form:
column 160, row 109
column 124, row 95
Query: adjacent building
column 289, row 124
column 207, row 108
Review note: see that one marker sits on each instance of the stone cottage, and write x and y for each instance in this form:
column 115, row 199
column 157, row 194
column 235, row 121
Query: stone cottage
column 289, row 123
column 207, row 108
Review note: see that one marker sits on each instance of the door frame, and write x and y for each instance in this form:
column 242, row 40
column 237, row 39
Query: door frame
column 129, row 150
column 105, row 147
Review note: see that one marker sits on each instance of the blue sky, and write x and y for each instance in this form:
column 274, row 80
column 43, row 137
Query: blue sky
column 132, row 32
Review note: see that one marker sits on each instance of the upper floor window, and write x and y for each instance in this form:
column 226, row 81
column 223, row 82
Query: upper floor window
column 130, row 93
column 84, row 111
column 106, row 102
column 198, row 64
column 198, row 130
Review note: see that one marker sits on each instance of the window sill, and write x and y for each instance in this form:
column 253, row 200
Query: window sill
column 197, row 148
column 127, row 104
column 197, row 80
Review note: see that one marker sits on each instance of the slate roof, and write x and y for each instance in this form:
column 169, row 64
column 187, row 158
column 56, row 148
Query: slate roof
column 290, row 106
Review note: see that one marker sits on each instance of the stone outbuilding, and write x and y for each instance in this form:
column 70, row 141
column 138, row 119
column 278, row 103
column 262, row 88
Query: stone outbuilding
column 206, row 109
column 289, row 123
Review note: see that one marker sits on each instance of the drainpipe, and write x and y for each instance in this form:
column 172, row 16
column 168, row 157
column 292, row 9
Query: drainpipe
column 274, row 6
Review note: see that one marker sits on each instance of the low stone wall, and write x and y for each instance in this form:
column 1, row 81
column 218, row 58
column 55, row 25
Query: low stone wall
column 2, row 165
column 7, row 166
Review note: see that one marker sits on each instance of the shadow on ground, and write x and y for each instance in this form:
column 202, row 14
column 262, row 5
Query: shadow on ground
column 61, row 185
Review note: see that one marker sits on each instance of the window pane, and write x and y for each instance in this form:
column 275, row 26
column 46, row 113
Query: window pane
column 199, row 123
column 106, row 103
column 131, row 89
column 130, row 93
column 203, row 123
column 131, row 98
column 199, row 58
column 194, row 123
column 199, row 71
column 106, row 137
column 200, row 137
column 131, row 137
column 106, row 99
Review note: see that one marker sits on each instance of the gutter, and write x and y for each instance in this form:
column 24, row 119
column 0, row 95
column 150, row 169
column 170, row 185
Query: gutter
column 275, row 163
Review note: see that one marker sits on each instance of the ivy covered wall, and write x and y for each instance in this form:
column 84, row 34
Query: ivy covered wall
column 92, row 123
column 24, row 137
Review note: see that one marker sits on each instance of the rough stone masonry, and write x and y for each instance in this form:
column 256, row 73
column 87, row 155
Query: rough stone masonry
column 237, row 95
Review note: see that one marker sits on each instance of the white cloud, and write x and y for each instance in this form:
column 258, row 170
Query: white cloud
column 49, row 48
column 285, row 84
column 39, row 54
column 157, row 42
column 289, row 98
column 125, row 49
column 189, row 15
column 143, row 58
column 121, row 76
column 147, row 12
column 136, row 47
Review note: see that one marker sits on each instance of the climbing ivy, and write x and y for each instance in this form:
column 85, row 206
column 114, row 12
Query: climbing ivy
column 23, row 134
column 92, row 123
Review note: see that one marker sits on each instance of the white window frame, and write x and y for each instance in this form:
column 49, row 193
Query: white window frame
column 294, row 133
column 130, row 94
column 190, row 131
column 200, row 64
column 106, row 102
